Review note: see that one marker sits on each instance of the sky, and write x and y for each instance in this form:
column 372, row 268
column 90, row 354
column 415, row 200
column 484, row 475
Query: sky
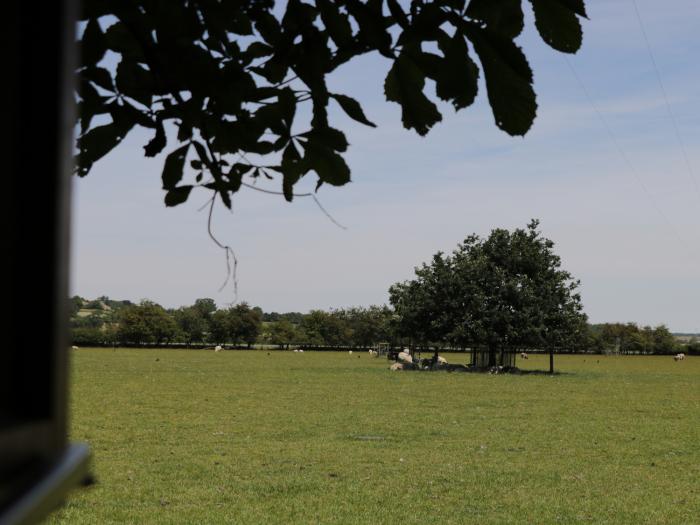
column 603, row 168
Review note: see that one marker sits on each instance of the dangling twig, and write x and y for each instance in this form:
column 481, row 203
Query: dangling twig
column 230, row 254
column 330, row 217
column 309, row 194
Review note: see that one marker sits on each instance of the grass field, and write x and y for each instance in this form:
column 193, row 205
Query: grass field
column 247, row 437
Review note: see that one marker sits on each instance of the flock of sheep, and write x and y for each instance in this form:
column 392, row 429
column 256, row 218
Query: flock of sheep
column 405, row 360
column 405, row 357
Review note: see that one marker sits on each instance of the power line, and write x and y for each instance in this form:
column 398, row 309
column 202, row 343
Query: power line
column 671, row 115
column 627, row 161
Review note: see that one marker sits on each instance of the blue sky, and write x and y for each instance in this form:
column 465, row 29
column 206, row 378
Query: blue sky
column 622, row 209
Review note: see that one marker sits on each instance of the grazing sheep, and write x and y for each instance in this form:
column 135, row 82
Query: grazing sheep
column 679, row 357
column 405, row 357
column 523, row 355
column 350, row 352
column 441, row 360
column 301, row 350
column 373, row 353
column 74, row 347
column 218, row 348
column 396, row 366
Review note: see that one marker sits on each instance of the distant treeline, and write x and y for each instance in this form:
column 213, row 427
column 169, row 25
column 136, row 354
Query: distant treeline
column 106, row 322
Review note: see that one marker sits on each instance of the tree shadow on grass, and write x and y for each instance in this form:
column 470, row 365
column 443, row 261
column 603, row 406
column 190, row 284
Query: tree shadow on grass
column 492, row 370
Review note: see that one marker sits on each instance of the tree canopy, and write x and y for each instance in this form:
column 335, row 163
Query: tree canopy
column 505, row 291
column 146, row 322
column 221, row 81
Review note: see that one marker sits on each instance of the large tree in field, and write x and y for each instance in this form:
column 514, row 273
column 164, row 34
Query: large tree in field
column 238, row 324
column 504, row 292
column 146, row 322
column 220, row 82
column 192, row 324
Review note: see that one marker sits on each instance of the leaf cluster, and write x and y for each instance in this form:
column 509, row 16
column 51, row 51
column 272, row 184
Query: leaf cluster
column 227, row 78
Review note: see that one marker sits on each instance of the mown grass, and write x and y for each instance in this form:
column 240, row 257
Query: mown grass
column 247, row 437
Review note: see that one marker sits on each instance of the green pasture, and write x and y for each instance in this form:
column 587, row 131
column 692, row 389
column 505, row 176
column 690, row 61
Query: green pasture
column 255, row 437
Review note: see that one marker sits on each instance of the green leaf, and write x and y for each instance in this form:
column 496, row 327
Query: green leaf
column 457, row 78
column 134, row 81
column 177, row 195
column 268, row 27
column 235, row 175
column 292, row 170
column 287, row 101
column 157, row 143
column 328, row 165
column 262, row 147
column 99, row 76
column 398, row 13
column 88, row 108
column 96, row 143
column 274, row 70
column 92, row 44
column 327, row 137
column 337, row 23
column 558, row 24
column 577, row 6
column 173, row 168
column 502, row 16
column 127, row 116
column 373, row 25
column 352, row 108
column 257, row 50
column 225, row 198
column 118, row 38
column 404, row 84
column 508, row 80
column 201, row 152
column 426, row 22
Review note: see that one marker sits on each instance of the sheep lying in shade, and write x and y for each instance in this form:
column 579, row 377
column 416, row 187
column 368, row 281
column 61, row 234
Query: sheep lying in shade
column 679, row 357
column 523, row 355
column 218, row 348
column 405, row 357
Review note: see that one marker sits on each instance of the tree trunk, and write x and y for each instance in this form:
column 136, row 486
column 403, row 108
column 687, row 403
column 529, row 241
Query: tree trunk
column 492, row 355
column 551, row 361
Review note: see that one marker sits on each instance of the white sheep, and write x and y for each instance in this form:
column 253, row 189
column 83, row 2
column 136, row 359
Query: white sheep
column 301, row 350
column 679, row 357
column 350, row 352
column 74, row 347
column 218, row 348
column 523, row 355
column 405, row 357
column 396, row 366
column 441, row 360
